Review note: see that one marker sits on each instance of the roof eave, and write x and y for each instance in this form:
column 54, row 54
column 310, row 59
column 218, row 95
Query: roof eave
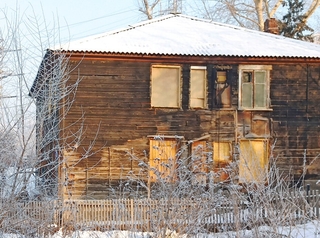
column 178, row 58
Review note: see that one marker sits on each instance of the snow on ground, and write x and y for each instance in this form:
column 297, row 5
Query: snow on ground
column 308, row 230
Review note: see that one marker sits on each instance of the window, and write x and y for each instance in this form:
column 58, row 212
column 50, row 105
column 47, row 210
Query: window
column 223, row 90
column 162, row 158
column 222, row 153
column 254, row 86
column 199, row 163
column 253, row 163
column 165, row 86
column 199, row 157
column 198, row 88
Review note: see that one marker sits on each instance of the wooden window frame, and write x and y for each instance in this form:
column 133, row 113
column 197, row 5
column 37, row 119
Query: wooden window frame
column 154, row 99
column 254, row 69
column 204, row 91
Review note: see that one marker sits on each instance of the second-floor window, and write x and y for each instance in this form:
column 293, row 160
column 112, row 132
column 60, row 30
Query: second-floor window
column 254, row 86
column 165, row 86
column 198, row 87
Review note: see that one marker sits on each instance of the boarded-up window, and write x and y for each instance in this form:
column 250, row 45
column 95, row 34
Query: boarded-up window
column 199, row 157
column 165, row 86
column 222, row 154
column 198, row 78
column 199, row 162
column 223, row 90
column 163, row 159
column 253, row 164
column 254, row 90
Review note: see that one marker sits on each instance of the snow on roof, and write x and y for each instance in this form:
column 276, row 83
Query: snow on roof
column 177, row 34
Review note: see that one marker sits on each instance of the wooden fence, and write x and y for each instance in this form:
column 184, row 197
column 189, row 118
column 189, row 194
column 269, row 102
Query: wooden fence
column 151, row 215
column 28, row 217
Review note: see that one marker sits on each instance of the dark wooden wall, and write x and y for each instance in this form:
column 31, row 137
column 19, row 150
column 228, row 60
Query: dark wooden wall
column 112, row 106
column 296, row 117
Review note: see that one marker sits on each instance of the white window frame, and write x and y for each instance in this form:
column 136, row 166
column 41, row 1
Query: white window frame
column 267, row 69
column 154, row 102
column 204, row 92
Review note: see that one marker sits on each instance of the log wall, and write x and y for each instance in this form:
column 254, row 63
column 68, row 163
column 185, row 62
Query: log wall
column 112, row 108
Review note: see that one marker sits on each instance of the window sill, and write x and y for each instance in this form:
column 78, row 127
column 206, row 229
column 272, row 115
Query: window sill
column 256, row 109
column 224, row 109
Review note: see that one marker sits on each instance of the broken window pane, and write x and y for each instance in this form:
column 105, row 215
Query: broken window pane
column 223, row 90
column 254, row 86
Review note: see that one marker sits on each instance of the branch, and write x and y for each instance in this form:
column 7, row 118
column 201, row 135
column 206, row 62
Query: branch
column 313, row 7
column 274, row 9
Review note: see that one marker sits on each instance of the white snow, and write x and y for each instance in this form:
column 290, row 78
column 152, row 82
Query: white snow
column 184, row 35
column 16, row 179
column 310, row 229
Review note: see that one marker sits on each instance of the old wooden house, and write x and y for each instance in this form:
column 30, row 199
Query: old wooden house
column 145, row 91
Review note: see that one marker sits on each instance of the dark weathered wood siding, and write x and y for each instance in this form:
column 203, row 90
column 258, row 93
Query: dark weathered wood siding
column 112, row 103
column 296, row 116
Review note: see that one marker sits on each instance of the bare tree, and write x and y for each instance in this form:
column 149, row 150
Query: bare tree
column 251, row 14
column 159, row 7
column 245, row 13
column 187, row 196
column 29, row 165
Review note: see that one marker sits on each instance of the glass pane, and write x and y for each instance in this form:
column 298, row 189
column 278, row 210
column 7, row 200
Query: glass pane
column 165, row 88
column 197, row 87
column 246, row 95
column 260, row 99
column 260, row 77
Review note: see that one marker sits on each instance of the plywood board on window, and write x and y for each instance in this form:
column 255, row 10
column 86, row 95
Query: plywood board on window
column 198, row 158
column 253, row 164
column 162, row 160
column 222, row 154
column 198, row 76
column 165, row 86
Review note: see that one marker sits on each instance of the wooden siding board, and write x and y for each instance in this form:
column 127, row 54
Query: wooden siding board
column 294, row 102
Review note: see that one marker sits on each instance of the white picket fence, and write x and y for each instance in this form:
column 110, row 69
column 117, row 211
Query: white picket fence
column 150, row 214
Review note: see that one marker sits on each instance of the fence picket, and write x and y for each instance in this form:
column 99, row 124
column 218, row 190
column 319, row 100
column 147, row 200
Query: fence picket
column 150, row 214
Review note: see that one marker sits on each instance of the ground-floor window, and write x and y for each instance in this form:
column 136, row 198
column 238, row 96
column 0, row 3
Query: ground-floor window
column 199, row 163
column 253, row 161
column 222, row 156
column 163, row 158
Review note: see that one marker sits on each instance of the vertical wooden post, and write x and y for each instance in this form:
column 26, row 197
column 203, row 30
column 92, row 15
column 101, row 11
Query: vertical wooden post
column 132, row 214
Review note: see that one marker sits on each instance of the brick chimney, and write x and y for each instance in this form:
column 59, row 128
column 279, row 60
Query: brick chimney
column 271, row 26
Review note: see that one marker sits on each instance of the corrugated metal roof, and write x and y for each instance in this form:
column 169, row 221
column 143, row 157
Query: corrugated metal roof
column 177, row 34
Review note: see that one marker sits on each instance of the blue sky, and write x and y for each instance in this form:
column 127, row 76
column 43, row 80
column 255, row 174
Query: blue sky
column 80, row 18
column 67, row 19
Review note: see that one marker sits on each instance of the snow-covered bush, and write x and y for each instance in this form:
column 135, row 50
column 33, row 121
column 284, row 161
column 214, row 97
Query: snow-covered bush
column 193, row 201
